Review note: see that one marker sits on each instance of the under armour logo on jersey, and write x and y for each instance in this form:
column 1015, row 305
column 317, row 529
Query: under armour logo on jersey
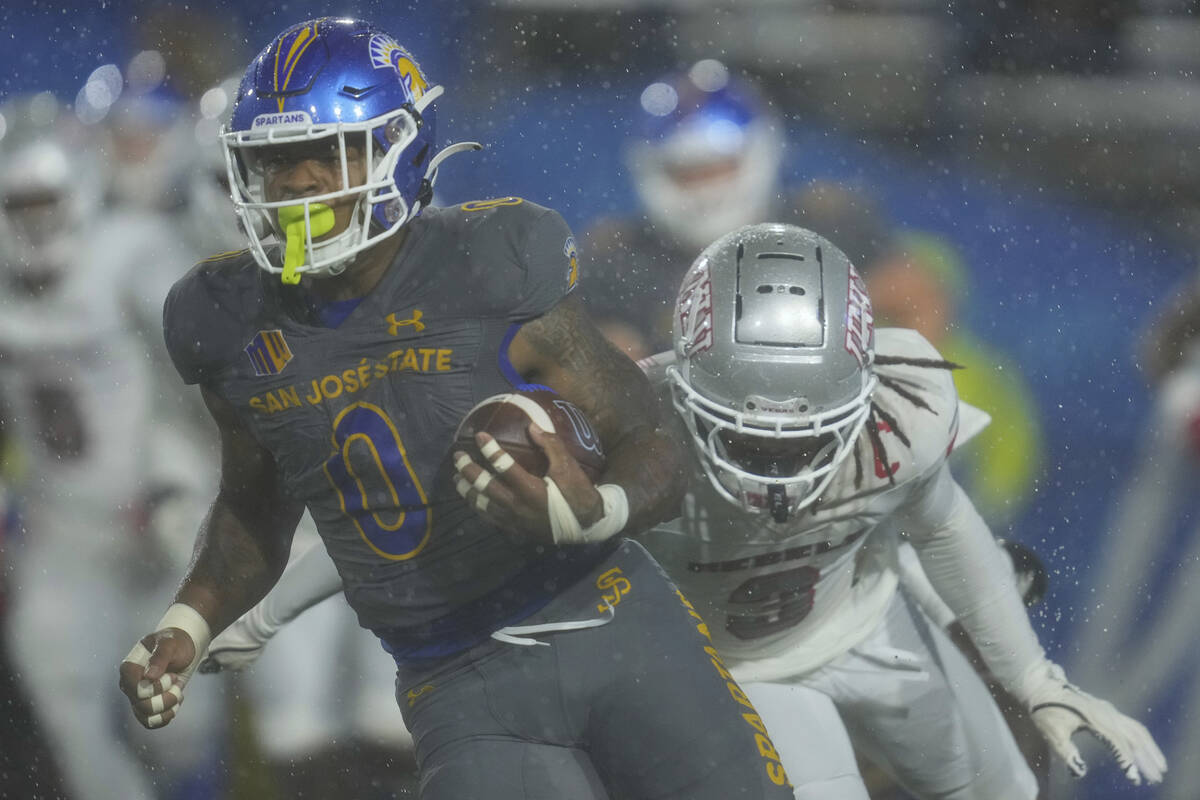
column 268, row 353
column 395, row 323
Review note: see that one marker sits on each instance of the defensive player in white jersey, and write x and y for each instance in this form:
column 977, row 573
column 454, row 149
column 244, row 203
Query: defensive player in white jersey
column 76, row 286
column 818, row 445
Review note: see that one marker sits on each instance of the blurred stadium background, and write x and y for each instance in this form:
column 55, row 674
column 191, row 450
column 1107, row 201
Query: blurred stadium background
column 1053, row 145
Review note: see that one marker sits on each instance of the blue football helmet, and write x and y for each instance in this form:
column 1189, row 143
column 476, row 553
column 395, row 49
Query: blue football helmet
column 333, row 80
column 707, row 155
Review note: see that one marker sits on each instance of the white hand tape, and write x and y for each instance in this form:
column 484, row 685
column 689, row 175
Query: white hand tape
column 188, row 620
column 501, row 461
column 139, row 656
column 616, row 514
column 565, row 527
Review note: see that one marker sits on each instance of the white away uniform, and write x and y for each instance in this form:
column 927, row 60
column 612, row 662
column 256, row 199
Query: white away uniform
column 87, row 577
column 809, row 618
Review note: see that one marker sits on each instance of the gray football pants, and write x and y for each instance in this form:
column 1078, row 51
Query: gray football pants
column 635, row 709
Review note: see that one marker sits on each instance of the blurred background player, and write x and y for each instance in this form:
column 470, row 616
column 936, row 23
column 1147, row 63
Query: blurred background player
column 815, row 445
column 707, row 157
column 81, row 288
column 707, row 160
column 1154, row 522
column 26, row 767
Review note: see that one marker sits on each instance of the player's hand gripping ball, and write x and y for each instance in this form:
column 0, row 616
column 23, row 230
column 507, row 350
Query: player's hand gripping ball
column 506, row 418
column 529, row 462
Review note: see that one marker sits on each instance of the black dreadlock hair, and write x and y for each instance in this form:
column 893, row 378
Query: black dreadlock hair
column 878, row 415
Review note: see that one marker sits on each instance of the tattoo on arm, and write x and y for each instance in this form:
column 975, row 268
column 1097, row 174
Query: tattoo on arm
column 244, row 541
column 565, row 350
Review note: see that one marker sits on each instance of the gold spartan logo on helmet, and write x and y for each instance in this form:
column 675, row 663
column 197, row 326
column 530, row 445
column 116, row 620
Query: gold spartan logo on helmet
column 387, row 52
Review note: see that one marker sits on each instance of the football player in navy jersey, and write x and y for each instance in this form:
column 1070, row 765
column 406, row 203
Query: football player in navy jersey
column 337, row 356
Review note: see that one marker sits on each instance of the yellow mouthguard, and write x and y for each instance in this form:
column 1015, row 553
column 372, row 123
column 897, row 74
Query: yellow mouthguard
column 291, row 219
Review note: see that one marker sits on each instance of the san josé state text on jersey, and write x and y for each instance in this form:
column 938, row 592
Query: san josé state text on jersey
column 360, row 417
column 766, row 587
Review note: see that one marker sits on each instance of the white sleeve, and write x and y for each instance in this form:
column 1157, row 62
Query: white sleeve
column 963, row 563
column 916, row 583
column 309, row 579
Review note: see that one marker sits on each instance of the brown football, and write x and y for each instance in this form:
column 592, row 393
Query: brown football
column 506, row 417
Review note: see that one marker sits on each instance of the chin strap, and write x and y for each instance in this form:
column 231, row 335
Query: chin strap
column 425, row 193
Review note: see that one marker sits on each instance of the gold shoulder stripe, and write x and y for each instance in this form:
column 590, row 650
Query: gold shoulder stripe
column 228, row 254
column 484, row 205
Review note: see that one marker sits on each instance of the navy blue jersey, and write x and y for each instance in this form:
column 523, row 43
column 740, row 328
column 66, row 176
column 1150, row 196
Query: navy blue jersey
column 360, row 417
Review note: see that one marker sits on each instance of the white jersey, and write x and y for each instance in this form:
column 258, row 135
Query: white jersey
column 792, row 596
column 77, row 375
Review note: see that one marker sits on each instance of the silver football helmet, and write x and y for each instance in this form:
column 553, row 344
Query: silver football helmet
column 774, row 347
column 50, row 186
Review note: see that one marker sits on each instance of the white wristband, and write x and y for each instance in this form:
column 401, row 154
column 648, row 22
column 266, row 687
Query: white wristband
column 188, row 620
column 565, row 527
column 616, row 514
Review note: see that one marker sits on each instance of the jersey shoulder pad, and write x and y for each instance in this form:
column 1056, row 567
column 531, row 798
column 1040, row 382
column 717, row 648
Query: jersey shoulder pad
column 916, row 388
column 521, row 258
column 207, row 312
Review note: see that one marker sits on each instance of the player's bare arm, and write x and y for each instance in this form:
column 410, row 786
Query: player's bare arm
column 564, row 350
column 241, row 550
column 243, row 545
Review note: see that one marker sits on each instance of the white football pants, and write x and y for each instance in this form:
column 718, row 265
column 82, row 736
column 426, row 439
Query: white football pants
column 79, row 602
column 911, row 703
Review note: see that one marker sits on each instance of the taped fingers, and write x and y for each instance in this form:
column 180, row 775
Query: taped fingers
column 462, row 461
column 478, row 486
column 501, row 461
column 158, row 720
column 160, row 707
